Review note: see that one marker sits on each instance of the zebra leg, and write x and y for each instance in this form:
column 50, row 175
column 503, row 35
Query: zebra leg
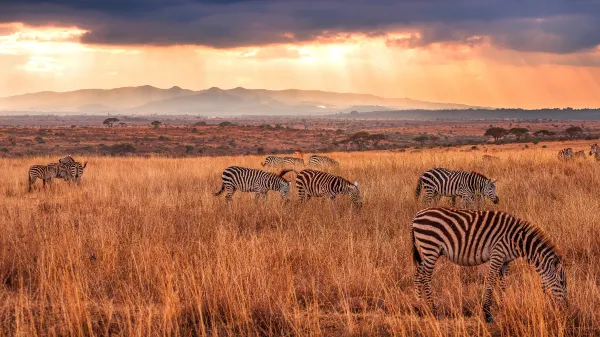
column 496, row 263
column 503, row 273
column 423, row 279
column 453, row 201
column 229, row 193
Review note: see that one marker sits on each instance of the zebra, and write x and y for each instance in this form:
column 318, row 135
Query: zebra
column 66, row 160
column 46, row 173
column 253, row 180
column 321, row 161
column 471, row 238
column 489, row 158
column 565, row 154
column 313, row 183
column 595, row 150
column 579, row 155
column 443, row 182
column 75, row 171
column 283, row 162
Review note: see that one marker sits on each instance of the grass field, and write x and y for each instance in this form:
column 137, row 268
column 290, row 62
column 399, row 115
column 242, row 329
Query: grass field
column 142, row 247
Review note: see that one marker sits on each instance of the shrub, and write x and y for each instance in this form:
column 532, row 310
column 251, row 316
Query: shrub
column 40, row 140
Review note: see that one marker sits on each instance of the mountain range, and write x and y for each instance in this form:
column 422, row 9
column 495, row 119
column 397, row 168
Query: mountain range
column 210, row 102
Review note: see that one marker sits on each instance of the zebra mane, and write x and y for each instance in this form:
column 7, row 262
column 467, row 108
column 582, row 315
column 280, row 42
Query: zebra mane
column 543, row 238
column 283, row 172
column 480, row 175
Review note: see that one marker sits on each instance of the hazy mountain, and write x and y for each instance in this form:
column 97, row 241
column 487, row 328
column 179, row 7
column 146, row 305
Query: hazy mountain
column 213, row 101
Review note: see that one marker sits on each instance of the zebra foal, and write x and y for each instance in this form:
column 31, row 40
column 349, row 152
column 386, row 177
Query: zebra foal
column 46, row 173
column 313, row 183
column 236, row 178
column 566, row 154
column 464, row 184
column 595, row 150
column 471, row 238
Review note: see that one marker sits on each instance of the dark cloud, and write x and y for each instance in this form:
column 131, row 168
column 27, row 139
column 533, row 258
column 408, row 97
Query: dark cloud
column 556, row 26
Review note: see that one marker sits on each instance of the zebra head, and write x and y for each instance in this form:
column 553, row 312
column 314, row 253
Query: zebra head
column 594, row 149
column 354, row 194
column 555, row 280
column 284, row 189
column 489, row 190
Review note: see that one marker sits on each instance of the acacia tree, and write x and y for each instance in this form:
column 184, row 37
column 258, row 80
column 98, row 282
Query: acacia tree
column 156, row 124
column 110, row 121
column 421, row 139
column 496, row 133
column 518, row 132
column 574, row 131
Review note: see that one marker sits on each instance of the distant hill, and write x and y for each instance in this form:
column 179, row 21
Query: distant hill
column 471, row 114
column 213, row 101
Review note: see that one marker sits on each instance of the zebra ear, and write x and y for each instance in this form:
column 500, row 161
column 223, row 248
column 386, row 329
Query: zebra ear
column 356, row 183
column 493, row 181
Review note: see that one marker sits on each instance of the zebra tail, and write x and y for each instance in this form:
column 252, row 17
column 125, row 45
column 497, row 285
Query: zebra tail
column 84, row 164
column 221, row 190
column 418, row 190
column 416, row 256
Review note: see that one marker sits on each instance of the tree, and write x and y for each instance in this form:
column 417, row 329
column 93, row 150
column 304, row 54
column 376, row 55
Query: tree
column 421, row 139
column 542, row 133
column 110, row 121
column 518, row 132
column 123, row 124
column 156, row 124
column 359, row 138
column 574, row 131
column 376, row 138
column 495, row 132
column 225, row 124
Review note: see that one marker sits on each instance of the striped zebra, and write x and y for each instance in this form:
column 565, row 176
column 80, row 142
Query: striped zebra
column 466, row 185
column 283, row 162
column 313, row 183
column 565, row 154
column 75, row 170
column 471, row 238
column 595, row 150
column 579, row 155
column 46, row 173
column 321, row 161
column 253, row 180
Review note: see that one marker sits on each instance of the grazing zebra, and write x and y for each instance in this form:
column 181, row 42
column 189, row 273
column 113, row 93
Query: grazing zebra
column 487, row 157
column 253, row 180
column 46, row 173
column 321, row 161
column 565, row 154
column 443, row 182
column 595, row 150
column 471, row 238
column 579, row 155
column 313, row 183
column 66, row 160
column 75, row 170
column 283, row 162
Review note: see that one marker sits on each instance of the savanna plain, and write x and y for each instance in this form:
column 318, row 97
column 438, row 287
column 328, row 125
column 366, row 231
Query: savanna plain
column 142, row 247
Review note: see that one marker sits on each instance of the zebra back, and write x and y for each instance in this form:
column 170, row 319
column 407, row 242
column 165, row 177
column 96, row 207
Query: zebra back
column 66, row 160
column 579, row 155
column 320, row 161
column 313, row 183
column 274, row 161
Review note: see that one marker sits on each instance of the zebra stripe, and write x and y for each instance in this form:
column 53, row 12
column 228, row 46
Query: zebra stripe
column 46, row 173
column 283, row 162
column 321, row 161
column 595, row 150
column 579, row 155
column 313, row 183
column 565, row 154
column 75, row 170
column 471, row 238
column 253, row 180
column 443, row 182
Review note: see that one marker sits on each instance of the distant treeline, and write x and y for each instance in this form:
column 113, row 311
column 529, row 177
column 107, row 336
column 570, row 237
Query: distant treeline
column 559, row 114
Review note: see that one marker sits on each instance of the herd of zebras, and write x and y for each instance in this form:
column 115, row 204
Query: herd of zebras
column 66, row 168
column 466, row 237
column 569, row 154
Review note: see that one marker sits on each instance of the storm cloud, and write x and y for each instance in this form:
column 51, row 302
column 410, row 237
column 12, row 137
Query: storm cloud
column 553, row 26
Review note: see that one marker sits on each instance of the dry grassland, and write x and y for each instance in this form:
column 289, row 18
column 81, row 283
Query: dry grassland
column 143, row 248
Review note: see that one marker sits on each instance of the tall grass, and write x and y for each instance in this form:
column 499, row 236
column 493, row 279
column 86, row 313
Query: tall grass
column 142, row 247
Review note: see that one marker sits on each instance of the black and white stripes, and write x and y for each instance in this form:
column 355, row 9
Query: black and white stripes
column 471, row 238
column 595, row 151
column 313, row 183
column 283, row 162
column 566, row 154
column 46, row 173
column 443, row 182
column 236, row 178
column 321, row 161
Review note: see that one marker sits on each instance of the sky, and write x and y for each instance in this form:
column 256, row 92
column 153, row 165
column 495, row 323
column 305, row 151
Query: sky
column 498, row 53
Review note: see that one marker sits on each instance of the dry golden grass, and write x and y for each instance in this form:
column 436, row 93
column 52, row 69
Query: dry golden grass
column 142, row 247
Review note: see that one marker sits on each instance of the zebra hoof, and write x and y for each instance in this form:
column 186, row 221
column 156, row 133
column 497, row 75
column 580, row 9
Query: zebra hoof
column 489, row 318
